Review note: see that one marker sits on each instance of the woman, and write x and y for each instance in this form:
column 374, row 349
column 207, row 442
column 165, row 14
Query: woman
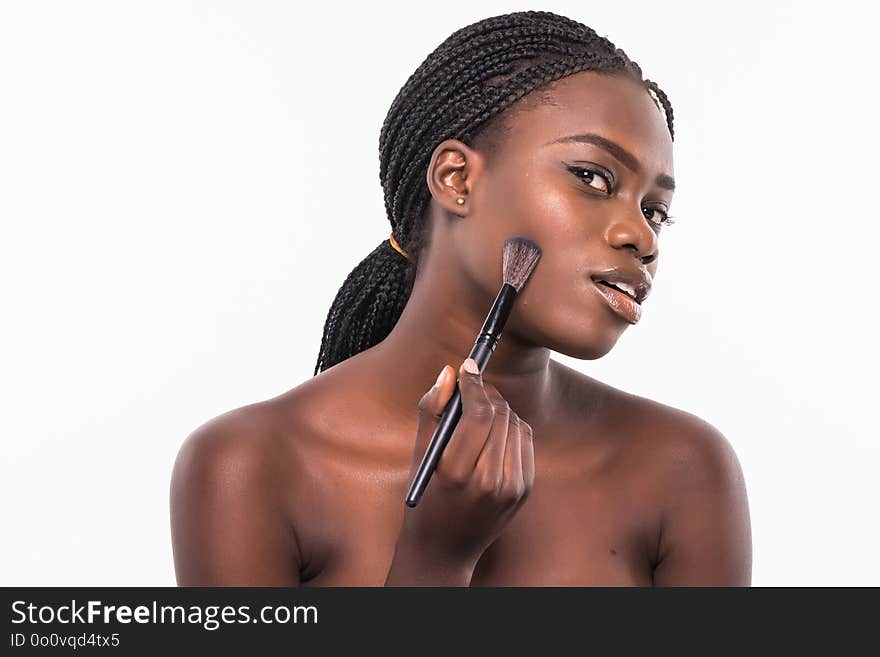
column 524, row 124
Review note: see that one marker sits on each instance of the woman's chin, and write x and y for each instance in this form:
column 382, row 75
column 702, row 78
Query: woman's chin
column 569, row 332
column 592, row 351
column 589, row 344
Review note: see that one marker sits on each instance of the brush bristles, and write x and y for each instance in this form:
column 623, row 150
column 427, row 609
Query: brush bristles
column 519, row 260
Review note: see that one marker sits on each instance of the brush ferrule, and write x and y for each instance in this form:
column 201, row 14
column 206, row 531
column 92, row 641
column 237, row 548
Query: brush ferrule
column 497, row 317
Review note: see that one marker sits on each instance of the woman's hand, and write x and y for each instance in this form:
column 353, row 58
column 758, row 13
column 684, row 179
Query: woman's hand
column 482, row 479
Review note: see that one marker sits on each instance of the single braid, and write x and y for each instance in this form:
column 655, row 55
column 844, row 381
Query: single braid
column 469, row 88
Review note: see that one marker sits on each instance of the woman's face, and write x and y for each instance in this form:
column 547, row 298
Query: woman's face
column 592, row 202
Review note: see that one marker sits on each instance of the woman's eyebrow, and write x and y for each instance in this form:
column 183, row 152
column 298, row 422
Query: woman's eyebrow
column 624, row 156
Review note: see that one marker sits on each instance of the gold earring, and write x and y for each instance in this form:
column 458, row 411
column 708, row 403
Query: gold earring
column 459, row 200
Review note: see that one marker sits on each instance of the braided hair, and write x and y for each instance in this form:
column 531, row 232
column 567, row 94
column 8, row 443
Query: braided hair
column 460, row 91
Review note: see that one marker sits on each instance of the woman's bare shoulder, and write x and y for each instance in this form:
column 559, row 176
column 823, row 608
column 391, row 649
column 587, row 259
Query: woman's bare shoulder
column 685, row 447
column 235, row 487
column 281, row 439
column 258, row 435
column 691, row 473
column 676, row 442
column 234, row 441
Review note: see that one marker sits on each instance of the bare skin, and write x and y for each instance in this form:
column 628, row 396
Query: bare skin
column 307, row 488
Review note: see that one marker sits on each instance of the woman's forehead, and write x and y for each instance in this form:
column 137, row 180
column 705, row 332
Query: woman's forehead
column 614, row 107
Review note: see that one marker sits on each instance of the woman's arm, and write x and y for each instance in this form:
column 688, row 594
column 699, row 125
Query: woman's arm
column 228, row 527
column 705, row 536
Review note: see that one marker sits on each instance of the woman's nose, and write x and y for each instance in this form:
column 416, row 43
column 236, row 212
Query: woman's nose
column 633, row 232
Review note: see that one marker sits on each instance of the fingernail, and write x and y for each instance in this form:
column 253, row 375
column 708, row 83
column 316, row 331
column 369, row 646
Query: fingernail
column 470, row 365
column 440, row 377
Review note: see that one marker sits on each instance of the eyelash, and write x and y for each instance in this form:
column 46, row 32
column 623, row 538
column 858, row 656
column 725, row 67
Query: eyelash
column 579, row 171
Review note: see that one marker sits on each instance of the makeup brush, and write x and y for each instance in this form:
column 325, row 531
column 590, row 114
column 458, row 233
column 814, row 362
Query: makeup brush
column 517, row 263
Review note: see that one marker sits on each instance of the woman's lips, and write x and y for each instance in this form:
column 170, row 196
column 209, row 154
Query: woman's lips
column 620, row 302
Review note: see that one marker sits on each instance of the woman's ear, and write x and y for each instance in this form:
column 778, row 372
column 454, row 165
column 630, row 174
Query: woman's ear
column 452, row 174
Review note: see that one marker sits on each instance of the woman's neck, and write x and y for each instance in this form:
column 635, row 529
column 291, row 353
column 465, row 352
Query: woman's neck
column 438, row 327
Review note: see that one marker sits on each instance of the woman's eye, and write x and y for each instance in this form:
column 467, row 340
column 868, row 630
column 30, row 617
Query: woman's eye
column 590, row 176
column 658, row 216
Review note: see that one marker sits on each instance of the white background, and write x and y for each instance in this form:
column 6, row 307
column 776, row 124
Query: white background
column 185, row 185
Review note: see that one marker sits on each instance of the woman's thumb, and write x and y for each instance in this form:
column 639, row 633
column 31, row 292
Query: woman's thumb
column 433, row 401
column 431, row 406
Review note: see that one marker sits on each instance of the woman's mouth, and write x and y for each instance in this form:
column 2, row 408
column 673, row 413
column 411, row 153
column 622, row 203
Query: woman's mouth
column 620, row 301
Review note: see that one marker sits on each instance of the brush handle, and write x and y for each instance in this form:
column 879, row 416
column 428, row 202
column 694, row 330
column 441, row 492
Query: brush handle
column 485, row 344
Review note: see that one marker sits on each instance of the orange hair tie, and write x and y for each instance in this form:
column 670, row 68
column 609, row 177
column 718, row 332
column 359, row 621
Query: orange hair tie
column 396, row 246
